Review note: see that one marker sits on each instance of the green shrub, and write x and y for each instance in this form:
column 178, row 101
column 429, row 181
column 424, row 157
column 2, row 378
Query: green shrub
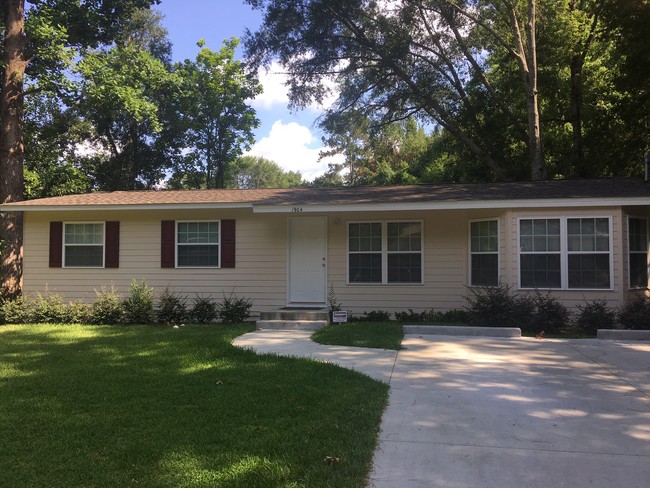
column 453, row 316
column 50, row 309
column 172, row 308
column 595, row 315
column 549, row 314
column 138, row 306
column 204, row 310
column 107, row 308
column 635, row 314
column 16, row 311
column 373, row 316
column 497, row 307
column 233, row 309
column 79, row 312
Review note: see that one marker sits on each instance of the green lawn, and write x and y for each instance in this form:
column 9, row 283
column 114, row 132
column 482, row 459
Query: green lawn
column 379, row 335
column 84, row 406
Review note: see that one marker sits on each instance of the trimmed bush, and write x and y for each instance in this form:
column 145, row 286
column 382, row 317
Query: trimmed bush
column 233, row 309
column 107, row 308
column 635, row 314
column 138, row 306
column 204, row 310
column 373, row 316
column 453, row 316
column 172, row 308
column 497, row 307
column 79, row 312
column 595, row 315
column 50, row 309
column 16, row 311
column 549, row 314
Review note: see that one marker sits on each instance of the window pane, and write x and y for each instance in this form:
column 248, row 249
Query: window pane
column 540, row 271
column 84, row 233
column 589, row 271
column 198, row 233
column 638, row 270
column 86, row 256
column 485, row 271
column 484, row 236
column 403, row 236
column 364, row 237
column 405, row 268
column 365, row 268
column 638, row 235
column 198, row 255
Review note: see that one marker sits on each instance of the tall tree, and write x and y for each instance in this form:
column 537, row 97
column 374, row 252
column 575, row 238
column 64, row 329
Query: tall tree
column 394, row 60
column 216, row 120
column 39, row 48
column 258, row 172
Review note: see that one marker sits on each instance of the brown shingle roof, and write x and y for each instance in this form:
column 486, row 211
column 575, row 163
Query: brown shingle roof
column 438, row 192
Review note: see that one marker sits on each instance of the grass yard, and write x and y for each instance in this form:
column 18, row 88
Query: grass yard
column 90, row 406
column 379, row 335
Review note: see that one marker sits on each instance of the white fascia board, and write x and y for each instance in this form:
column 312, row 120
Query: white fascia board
column 157, row 206
column 459, row 205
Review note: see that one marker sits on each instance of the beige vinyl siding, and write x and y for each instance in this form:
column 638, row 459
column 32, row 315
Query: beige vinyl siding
column 261, row 266
column 261, row 258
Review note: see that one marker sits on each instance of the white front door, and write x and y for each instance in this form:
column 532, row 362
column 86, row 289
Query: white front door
column 307, row 260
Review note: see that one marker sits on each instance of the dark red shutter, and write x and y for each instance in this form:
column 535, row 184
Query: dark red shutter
column 227, row 243
column 112, row 249
column 167, row 244
column 56, row 244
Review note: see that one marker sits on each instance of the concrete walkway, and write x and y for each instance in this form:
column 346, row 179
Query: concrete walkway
column 501, row 413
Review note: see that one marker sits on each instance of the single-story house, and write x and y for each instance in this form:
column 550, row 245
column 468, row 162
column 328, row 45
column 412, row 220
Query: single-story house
column 380, row 248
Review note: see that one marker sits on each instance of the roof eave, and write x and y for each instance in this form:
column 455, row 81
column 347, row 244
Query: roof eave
column 123, row 207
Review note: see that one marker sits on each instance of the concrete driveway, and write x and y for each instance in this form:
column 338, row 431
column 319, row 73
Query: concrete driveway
column 522, row 413
column 501, row 413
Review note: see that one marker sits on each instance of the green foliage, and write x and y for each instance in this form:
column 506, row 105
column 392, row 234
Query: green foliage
column 233, row 309
column 635, row 314
column 172, row 308
column 138, row 306
column 49, row 309
column 258, row 172
column 373, row 316
column 595, row 315
column 107, row 309
column 79, row 312
column 204, row 310
column 497, row 307
column 531, row 312
column 217, row 123
column 549, row 314
column 453, row 316
column 16, row 311
column 332, row 301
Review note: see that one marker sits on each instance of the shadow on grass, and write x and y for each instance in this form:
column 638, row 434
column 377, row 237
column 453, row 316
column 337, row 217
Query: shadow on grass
column 154, row 406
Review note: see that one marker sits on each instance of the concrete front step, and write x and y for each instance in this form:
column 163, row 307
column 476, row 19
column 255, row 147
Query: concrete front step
column 291, row 324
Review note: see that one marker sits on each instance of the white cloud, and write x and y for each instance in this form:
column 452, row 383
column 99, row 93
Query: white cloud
column 291, row 146
column 275, row 91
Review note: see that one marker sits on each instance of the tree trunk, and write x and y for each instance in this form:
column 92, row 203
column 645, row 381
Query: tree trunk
column 538, row 171
column 576, row 116
column 11, row 142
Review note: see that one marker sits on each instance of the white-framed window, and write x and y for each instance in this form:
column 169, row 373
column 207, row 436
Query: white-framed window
column 83, row 244
column 385, row 252
column 197, row 244
column 637, row 239
column 565, row 253
column 484, row 252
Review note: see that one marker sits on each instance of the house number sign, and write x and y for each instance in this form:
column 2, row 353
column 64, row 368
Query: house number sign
column 296, row 209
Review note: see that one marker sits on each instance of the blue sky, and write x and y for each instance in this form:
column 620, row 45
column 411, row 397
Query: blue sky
column 289, row 139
